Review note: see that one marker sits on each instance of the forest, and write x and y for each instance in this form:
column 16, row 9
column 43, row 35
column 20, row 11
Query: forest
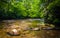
column 23, row 9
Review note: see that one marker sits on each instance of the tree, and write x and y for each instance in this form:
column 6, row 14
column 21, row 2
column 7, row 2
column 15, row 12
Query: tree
column 53, row 13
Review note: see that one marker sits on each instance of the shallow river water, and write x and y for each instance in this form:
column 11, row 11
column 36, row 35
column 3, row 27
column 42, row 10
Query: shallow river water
column 25, row 28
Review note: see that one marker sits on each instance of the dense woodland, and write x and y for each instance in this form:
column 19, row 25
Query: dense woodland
column 22, row 9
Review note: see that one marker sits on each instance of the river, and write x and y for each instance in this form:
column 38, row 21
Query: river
column 25, row 29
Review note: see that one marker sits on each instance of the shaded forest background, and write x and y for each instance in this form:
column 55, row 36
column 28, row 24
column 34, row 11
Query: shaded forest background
column 22, row 9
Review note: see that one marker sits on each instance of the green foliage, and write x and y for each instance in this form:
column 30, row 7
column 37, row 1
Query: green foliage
column 53, row 14
column 21, row 9
column 16, row 9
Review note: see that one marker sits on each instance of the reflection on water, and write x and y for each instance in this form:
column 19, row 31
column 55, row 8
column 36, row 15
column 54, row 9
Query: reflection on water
column 27, row 29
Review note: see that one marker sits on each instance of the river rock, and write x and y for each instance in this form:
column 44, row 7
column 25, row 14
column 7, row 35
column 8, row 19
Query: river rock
column 13, row 32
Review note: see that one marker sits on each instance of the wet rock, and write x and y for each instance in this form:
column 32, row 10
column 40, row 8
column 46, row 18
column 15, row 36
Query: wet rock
column 13, row 32
column 36, row 29
column 48, row 28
